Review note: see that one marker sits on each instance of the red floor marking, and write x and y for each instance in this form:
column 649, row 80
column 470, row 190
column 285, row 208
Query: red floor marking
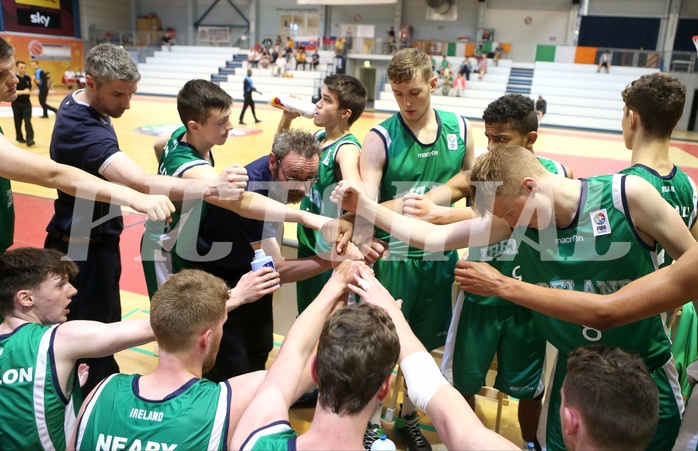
column 33, row 214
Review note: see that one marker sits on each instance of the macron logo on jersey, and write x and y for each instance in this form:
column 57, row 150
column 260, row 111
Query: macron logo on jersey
column 433, row 153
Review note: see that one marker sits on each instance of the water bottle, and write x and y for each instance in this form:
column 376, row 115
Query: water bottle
column 261, row 260
column 293, row 105
column 530, row 446
column 383, row 444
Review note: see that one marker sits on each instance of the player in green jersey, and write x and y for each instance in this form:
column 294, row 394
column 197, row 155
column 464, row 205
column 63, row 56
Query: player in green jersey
column 550, row 205
column 343, row 99
column 168, row 247
column 174, row 407
column 654, row 104
column 493, row 325
column 411, row 152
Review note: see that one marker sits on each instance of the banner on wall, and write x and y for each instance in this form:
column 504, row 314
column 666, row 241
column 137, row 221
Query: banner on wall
column 214, row 34
column 52, row 17
column 55, row 55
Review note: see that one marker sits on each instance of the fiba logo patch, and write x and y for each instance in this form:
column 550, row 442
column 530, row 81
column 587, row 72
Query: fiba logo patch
column 452, row 141
column 599, row 221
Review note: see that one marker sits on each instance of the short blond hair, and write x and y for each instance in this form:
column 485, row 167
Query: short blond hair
column 187, row 303
column 407, row 64
column 500, row 172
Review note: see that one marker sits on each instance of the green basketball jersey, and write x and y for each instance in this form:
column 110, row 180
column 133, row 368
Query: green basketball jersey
column 504, row 255
column 277, row 436
column 177, row 158
column 7, row 213
column 678, row 189
column 318, row 198
column 196, row 416
column 599, row 252
column 34, row 412
column 415, row 167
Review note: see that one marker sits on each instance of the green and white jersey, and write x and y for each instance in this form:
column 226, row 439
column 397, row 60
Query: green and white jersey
column 277, row 436
column 504, row 255
column 415, row 167
column 599, row 252
column 678, row 189
column 318, row 198
column 195, row 417
column 34, row 411
column 177, row 158
column 7, row 213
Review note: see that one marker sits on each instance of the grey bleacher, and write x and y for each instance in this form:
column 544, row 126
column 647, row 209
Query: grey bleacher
column 477, row 95
column 166, row 72
column 579, row 97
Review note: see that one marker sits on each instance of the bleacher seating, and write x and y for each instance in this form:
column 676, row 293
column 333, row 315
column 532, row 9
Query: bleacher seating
column 478, row 93
column 579, row 97
column 166, row 72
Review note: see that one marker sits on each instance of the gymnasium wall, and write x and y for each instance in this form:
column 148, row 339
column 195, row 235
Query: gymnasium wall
column 550, row 19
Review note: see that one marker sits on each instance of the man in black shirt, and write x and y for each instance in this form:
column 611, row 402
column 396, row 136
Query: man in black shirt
column 22, row 106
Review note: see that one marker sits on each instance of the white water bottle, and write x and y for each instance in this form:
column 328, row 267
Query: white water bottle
column 261, row 260
column 293, row 105
column 383, row 444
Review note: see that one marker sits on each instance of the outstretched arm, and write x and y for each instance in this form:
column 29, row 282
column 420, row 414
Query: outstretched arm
column 652, row 294
column 456, row 422
column 23, row 166
column 430, row 237
column 276, row 393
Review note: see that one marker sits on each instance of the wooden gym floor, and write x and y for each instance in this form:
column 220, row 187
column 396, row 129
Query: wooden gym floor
column 586, row 153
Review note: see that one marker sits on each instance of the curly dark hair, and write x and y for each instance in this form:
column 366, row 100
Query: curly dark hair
column 515, row 109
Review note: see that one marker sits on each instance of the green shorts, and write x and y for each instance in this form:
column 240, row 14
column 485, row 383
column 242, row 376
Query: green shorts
column 670, row 406
column 158, row 264
column 685, row 344
column 477, row 332
column 425, row 288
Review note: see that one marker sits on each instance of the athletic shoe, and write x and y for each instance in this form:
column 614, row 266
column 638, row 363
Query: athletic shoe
column 30, row 143
column 21, row 140
column 407, row 429
column 371, row 434
column 257, row 121
column 241, row 123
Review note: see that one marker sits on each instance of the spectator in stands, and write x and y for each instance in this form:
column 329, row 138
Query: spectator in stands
column 541, row 106
column 447, row 74
column 279, row 66
column 465, row 69
column 290, row 47
column 252, row 59
column 169, row 39
column 301, row 58
column 278, row 41
column 69, row 78
column 315, row 60
column 265, row 60
column 80, row 77
column 258, row 46
column 498, row 54
column 605, row 61
column 392, row 45
column 459, row 85
column 266, row 42
column 482, row 65
column 444, row 65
